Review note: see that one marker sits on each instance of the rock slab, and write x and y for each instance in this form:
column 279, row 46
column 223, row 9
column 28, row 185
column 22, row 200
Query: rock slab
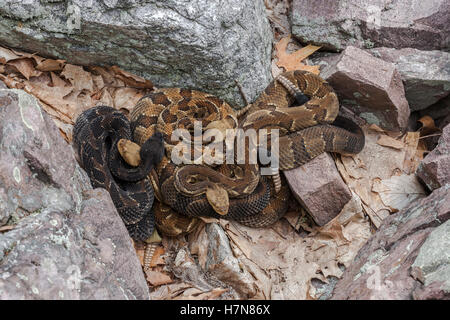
column 335, row 24
column 425, row 74
column 370, row 87
column 382, row 267
column 319, row 188
column 200, row 44
column 434, row 170
column 61, row 239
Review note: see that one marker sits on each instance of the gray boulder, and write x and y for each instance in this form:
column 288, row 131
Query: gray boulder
column 202, row 44
column 59, row 238
column 425, row 74
column 335, row 24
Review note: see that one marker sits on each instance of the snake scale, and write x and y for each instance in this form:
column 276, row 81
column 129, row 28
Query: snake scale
column 300, row 105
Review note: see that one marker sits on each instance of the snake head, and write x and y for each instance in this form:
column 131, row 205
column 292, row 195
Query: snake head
column 153, row 149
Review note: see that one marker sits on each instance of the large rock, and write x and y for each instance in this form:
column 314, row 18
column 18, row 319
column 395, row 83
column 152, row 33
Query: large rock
column 382, row 267
column 425, row 74
column 203, row 44
column 319, row 188
column 434, row 170
column 369, row 86
column 432, row 265
column 335, row 24
column 67, row 240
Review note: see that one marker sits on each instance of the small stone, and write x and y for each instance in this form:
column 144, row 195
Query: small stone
column 370, row 87
column 319, row 188
column 434, row 170
column 425, row 74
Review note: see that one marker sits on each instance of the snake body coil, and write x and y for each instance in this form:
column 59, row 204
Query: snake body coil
column 301, row 106
column 95, row 135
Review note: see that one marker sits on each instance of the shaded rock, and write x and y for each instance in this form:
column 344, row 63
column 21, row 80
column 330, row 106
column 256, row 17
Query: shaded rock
column 432, row 265
column 185, row 267
column 2, row 85
column 381, row 269
column 438, row 111
column 370, row 87
column 434, row 170
column 319, row 188
column 372, row 23
column 443, row 122
column 425, row 74
column 67, row 241
column 221, row 262
column 200, row 44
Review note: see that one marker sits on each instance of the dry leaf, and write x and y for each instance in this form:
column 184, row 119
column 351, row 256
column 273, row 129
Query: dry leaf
column 211, row 295
column 126, row 98
column 7, row 55
column 131, row 79
column 80, row 79
column 383, row 157
column 292, row 61
column 428, row 126
column 57, row 81
column 25, row 66
column 157, row 278
column 50, row 65
column 107, row 75
column 6, row 228
column 376, row 128
column 399, row 191
column 412, row 158
column 387, row 141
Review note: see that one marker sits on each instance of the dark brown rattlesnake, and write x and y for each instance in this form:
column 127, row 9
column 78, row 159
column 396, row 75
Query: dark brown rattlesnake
column 95, row 136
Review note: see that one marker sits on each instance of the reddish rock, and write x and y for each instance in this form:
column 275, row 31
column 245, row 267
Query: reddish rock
column 319, row 188
column 434, row 170
column 382, row 267
column 425, row 74
column 335, row 24
column 67, row 241
column 370, row 87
